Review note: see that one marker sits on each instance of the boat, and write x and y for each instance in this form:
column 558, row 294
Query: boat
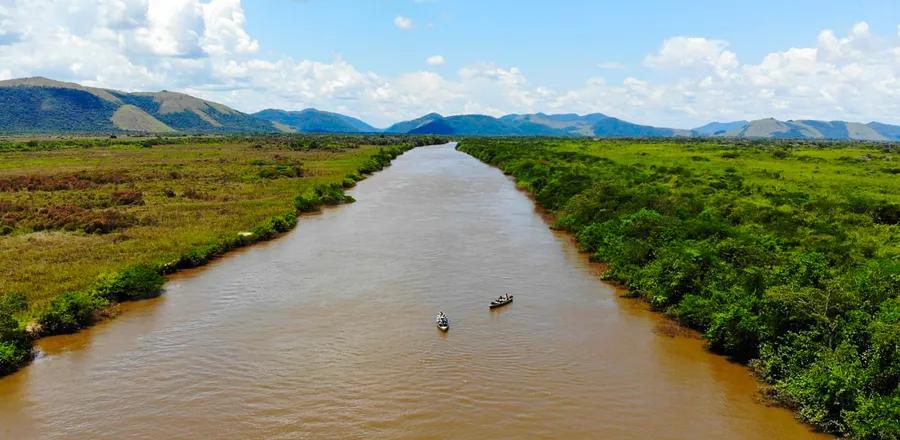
column 442, row 322
column 502, row 301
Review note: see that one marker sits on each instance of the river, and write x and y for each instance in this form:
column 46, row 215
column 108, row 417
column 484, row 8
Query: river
column 328, row 332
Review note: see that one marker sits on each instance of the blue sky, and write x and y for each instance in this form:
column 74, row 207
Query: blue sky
column 558, row 43
column 666, row 63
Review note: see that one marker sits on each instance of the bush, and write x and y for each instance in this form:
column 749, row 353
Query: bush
column 307, row 203
column 137, row 282
column 284, row 222
column 332, row 194
column 13, row 303
column 323, row 195
column 128, row 197
column 70, row 312
column 193, row 258
column 876, row 417
column 15, row 348
column 274, row 226
column 12, row 356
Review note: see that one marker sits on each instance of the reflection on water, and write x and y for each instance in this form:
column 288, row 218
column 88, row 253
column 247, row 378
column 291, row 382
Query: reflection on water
column 329, row 332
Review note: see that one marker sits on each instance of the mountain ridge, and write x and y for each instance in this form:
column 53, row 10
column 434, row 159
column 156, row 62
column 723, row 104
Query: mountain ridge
column 771, row 128
column 312, row 120
column 43, row 105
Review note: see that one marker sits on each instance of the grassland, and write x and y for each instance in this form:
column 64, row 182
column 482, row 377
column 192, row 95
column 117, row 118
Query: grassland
column 88, row 222
column 786, row 255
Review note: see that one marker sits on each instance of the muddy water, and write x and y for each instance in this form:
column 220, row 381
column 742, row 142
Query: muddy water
column 328, row 333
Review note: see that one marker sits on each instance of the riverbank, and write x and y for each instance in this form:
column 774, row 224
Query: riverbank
column 784, row 255
column 284, row 339
column 89, row 223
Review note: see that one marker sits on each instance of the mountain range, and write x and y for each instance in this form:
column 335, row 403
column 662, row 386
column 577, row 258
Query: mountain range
column 807, row 129
column 313, row 121
column 41, row 105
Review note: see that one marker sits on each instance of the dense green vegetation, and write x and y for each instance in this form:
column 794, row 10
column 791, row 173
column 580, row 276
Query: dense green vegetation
column 40, row 110
column 88, row 223
column 786, row 255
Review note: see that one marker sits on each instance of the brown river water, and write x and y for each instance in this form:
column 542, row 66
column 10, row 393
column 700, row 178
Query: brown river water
column 328, row 332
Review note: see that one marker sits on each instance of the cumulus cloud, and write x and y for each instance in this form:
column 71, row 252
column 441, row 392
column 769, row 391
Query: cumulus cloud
column 202, row 47
column 435, row 60
column 691, row 52
column 402, row 22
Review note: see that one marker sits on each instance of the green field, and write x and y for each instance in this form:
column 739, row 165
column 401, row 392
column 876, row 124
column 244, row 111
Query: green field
column 786, row 255
column 85, row 223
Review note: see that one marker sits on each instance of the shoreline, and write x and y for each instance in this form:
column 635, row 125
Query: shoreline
column 265, row 231
column 667, row 325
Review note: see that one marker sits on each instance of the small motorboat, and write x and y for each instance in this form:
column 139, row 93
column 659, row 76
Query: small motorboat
column 502, row 301
column 442, row 322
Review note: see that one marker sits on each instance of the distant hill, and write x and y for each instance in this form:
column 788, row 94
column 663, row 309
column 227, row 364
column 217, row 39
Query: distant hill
column 541, row 124
column 41, row 105
column 891, row 132
column 613, row 127
column 478, row 125
column 314, row 121
column 720, row 128
column 408, row 126
column 811, row 129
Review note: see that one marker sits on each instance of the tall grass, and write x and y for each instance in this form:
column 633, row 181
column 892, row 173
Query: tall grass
column 187, row 201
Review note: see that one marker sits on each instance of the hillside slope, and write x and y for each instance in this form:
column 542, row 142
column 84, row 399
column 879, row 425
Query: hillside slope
column 541, row 124
column 314, row 121
column 811, row 129
column 41, row 105
column 408, row 126
column 720, row 128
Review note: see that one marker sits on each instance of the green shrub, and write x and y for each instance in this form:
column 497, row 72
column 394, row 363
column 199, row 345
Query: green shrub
column 70, row 312
column 775, row 267
column 12, row 303
column 136, row 282
column 695, row 311
column 274, row 226
column 193, row 258
column 12, row 356
column 10, row 332
column 323, row 195
column 284, row 222
column 876, row 417
column 307, row 203
column 332, row 194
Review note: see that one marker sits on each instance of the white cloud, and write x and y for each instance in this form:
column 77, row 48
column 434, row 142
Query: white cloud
column 202, row 47
column 402, row 22
column 224, row 31
column 693, row 52
column 435, row 60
